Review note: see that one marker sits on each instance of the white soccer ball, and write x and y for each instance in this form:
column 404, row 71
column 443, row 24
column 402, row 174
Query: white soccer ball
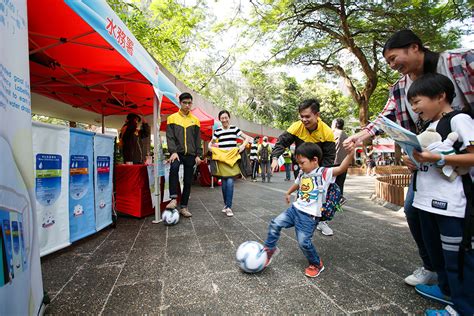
column 170, row 217
column 251, row 257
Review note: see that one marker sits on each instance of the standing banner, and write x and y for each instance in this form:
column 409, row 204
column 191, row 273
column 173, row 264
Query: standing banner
column 21, row 287
column 81, row 185
column 51, row 158
column 103, row 176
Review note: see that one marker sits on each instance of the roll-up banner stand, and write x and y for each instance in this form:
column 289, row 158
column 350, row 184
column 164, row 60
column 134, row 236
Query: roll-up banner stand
column 21, row 287
column 103, row 177
column 51, row 158
column 81, row 184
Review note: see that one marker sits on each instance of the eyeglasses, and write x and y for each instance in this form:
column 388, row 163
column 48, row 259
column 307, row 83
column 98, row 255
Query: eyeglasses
column 187, row 102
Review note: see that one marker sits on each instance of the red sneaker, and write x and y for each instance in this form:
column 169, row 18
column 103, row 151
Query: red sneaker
column 313, row 271
column 270, row 253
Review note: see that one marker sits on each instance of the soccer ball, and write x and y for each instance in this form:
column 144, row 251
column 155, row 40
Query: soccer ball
column 251, row 257
column 170, row 217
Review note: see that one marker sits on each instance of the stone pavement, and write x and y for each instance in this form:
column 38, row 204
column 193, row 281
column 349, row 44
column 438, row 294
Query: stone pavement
column 190, row 268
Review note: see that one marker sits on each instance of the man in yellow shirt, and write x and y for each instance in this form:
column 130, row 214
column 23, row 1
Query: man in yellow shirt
column 309, row 129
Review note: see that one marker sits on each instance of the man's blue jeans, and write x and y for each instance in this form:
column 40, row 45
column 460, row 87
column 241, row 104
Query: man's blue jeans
column 228, row 191
column 305, row 225
column 413, row 220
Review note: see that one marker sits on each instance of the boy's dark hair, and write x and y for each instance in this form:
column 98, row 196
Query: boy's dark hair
column 310, row 103
column 339, row 123
column 223, row 112
column 309, row 150
column 184, row 96
column 431, row 85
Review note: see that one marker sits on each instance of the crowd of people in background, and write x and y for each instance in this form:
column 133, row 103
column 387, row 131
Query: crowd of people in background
column 436, row 89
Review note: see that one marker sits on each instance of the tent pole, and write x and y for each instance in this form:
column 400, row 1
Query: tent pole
column 157, row 155
column 103, row 123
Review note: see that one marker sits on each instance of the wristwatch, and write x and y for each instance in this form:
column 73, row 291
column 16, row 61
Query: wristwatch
column 441, row 162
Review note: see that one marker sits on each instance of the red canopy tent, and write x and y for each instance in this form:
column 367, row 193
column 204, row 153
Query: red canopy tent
column 82, row 54
column 72, row 63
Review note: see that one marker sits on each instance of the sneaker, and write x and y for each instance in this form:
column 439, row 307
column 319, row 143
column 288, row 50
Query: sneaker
column 343, row 201
column 228, row 212
column 172, row 204
column 224, row 210
column 325, row 229
column 313, row 271
column 433, row 292
column 185, row 212
column 254, row 180
column 421, row 276
column 271, row 254
column 448, row 311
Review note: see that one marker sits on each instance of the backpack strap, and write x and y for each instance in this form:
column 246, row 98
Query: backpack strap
column 444, row 128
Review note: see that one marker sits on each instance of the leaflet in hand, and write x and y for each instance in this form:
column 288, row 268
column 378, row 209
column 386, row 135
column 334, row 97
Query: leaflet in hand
column 403, row 137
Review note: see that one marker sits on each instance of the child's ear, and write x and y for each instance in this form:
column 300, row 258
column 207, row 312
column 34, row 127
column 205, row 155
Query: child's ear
column 442, row 96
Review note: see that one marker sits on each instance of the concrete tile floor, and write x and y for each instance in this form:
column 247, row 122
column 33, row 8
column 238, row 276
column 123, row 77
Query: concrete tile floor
column 145, row 268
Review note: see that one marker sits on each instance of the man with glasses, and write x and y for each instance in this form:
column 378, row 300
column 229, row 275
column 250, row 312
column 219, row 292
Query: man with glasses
column 183, row 136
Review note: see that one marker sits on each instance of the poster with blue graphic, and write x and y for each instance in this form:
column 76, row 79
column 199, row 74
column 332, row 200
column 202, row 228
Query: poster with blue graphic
column 23, row 294
column 48, row 180
column 81, row 185
column 51, row 157
column 7, row 246
column 103, row 173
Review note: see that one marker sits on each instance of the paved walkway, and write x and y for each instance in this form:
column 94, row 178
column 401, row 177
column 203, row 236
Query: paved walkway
column 141, row 267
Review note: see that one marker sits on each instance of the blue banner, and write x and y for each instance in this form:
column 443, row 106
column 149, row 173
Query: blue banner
column 104, row 21
column 103, row 175
column 81, row 185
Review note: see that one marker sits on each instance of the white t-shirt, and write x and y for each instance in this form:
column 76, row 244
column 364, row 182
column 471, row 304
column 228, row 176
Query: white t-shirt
column 434, row 193
column 312, row 189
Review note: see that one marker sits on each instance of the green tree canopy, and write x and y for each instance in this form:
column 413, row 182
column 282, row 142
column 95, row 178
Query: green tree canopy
column 344, row 37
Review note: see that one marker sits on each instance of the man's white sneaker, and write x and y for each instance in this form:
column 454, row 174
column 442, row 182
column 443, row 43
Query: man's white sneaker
column 228, row 212
column 325, row 229
column 224, row 210
column 421, row 276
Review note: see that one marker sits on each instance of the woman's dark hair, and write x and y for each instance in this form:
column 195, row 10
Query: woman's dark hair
column 431, row 85
column 309, row 150
column 403, row 39
column 184, row 96
column 310, row 103
column 339, row 123
column 132, row 116
column 223, row 112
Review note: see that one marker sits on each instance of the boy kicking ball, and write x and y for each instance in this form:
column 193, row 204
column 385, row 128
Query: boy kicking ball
column 312, row 184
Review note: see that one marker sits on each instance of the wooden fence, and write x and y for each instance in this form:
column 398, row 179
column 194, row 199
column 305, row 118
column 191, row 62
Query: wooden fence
column 392, row 188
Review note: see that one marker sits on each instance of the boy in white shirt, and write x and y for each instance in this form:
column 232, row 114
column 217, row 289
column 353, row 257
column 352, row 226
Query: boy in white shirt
column 446, row 213
column 312, row 184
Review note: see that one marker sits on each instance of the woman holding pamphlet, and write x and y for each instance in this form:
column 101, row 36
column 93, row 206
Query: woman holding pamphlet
column 404, row 52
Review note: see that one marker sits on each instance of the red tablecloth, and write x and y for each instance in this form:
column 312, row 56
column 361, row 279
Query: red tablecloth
column 132, row 192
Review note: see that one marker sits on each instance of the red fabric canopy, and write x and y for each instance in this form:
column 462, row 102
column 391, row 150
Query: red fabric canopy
column 72, row 63
column 207, row 122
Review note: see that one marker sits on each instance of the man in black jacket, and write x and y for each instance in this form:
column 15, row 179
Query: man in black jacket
column 309, row 129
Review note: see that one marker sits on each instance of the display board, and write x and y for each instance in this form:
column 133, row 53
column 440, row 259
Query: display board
column 103, row 179
column 81, row 184
column 21, row 288
column 51, row 159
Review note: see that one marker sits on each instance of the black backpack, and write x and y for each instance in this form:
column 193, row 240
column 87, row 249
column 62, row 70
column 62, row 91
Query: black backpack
column 264, row 153
column 444, row 128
